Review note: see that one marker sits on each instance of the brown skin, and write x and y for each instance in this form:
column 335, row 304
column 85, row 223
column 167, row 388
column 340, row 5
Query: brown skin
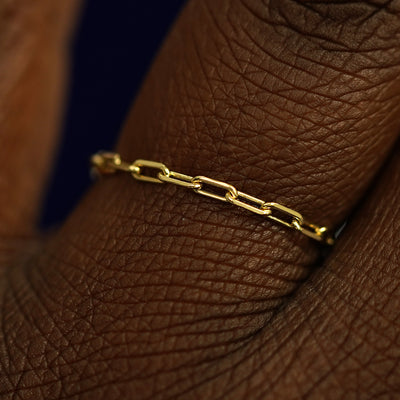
column 151, row 292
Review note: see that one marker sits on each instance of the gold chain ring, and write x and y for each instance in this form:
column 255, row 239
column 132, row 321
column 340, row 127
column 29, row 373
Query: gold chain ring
column 109, row 163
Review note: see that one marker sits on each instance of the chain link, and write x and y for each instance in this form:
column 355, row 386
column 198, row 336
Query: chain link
column 109, row 163
column 179, row 179
column 140, row 165
column 259, row 207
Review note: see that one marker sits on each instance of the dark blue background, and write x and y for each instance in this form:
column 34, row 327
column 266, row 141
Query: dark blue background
column 113, row 48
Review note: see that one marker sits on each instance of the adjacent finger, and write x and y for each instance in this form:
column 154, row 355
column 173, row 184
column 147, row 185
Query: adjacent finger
column 33, row 60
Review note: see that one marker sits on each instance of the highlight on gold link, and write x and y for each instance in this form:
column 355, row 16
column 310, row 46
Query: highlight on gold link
column 179, row 179
column 203, row 180
column 108, row 163
column 295, row 219
column 141, row 164
column 247, row 205
column 316, row 232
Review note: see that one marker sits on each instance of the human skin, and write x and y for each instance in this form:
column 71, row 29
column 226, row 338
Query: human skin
column 152, row 292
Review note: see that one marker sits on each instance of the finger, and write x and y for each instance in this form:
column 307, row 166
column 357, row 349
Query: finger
column 33, row 47
column 344, row 322
column 298, row 119
column 296, row 110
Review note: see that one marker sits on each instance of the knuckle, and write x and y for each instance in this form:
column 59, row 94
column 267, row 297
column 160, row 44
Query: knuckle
column 334, row 26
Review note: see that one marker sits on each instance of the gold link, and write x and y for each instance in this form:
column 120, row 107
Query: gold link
column 318, row 233
column 247, row 205
column 296, row 218
column 138, row 172
column 109, row 163
column 203, row 180
column 179, row 179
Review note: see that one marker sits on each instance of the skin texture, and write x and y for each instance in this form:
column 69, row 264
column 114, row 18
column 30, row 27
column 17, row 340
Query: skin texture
column 151, row 292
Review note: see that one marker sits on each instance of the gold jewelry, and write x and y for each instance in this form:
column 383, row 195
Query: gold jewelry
column 109, row 163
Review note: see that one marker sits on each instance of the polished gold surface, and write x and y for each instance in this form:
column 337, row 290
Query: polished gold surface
column 155, row 172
